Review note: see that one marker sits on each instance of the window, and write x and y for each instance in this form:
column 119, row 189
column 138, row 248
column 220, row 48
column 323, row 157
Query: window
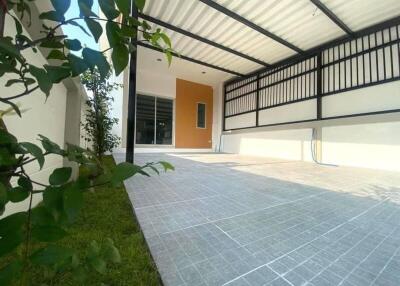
column 201, row 115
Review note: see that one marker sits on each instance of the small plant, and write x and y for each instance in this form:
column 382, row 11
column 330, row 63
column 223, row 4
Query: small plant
column 30, row 234
column 98, row 123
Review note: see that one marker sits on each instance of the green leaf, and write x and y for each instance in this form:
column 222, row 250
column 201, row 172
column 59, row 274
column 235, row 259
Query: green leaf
column 10, row 241
column 42, row 78
column 166, row 39
column 7, row 158
column 113, row 36
column 50, row 146
column 10, row 272
column 53, row 201
column 13, row 223
column 140, row 4
column 98, row 264
column 56, row 55
column 167, row 166
column 76, row 24
column 60, row 176
column 13, row 81
column 58, row 73
column 17, row 194
column 96, row 58
column 8, row 47
column 95, row 28
column 6, row 138
column 51, row 255
column 3, row 198
column 85, row 7
column 120, row 58
column 42, row 216
column 78, row 65
column 123, row 171
column 61, row 6
column 124, row 6
column 168, row 54
column 18, row 25
column 25, row 184
column 111, row 253
column 73, row 45
column 48, row 233
column 35, row 151
column 108, row 8
column 73, row 201
column 52, row 16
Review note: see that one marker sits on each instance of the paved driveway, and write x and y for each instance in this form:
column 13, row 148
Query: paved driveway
column 231, row 220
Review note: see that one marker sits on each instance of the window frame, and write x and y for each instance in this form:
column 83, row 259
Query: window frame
column 197, row 115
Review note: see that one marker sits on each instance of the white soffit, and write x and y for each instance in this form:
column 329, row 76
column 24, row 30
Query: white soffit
column 299, row 22
column 359, row 14
column 148, row 62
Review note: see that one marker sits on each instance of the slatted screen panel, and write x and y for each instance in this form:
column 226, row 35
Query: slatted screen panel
column 365, row 61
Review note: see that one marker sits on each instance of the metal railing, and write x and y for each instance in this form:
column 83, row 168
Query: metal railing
column 364, row 61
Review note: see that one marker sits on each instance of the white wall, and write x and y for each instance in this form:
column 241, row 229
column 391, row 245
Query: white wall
column 375, row 145
column 40, row 116
column 304, row 110
column 374, row 98
column 284, row 144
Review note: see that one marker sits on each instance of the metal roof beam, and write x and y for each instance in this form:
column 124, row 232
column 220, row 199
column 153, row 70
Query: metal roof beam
column 333, row 17
column 201, row 39
column 191, row 60
column 250, row 24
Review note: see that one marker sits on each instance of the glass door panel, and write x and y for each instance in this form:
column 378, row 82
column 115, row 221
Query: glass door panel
column 164, row 111
column 145, row 119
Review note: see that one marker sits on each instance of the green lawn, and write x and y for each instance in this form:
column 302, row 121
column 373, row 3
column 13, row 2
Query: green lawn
column 107, row 213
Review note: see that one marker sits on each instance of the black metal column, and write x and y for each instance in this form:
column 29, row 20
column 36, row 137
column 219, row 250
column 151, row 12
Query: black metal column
column 223, row 108
column 319, row 86
column 257, row 98
column 131, row 116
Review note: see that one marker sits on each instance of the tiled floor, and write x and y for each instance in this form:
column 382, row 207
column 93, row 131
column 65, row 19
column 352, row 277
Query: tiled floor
column 224, row 219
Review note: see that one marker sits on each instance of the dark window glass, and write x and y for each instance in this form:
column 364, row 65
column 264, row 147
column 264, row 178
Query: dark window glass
column 164, row 121
column 145, row 118
column 201, row 115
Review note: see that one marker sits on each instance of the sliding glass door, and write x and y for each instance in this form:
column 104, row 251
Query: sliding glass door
column 154, row 120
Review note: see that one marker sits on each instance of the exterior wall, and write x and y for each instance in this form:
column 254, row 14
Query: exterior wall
column 285, row 144
column 367, row 141
column 148, row 83
column 187, row 135
column 41, row 116
column 375, row 145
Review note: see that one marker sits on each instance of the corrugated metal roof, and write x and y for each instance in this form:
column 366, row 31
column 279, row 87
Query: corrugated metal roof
column 298, row 22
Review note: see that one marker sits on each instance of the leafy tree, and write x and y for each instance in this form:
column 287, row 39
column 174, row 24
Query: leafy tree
column 62, row 196
column 98, row 123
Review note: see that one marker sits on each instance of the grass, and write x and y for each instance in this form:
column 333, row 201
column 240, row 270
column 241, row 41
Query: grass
column 108, row 213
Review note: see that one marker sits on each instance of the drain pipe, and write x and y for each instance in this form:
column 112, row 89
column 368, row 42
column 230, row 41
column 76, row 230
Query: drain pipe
column 314, row 151
column 220, row 139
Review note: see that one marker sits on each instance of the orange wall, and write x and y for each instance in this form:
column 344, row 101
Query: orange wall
column 188, row 94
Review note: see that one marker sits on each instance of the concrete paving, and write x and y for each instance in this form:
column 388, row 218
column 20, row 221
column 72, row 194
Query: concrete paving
column 223, row 219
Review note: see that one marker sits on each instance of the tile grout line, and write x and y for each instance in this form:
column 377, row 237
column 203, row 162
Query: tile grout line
column 272, row 261
column 387, row 263
column 245, row 213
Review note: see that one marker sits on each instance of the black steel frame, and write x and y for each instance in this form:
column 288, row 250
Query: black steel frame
column 367, row 60
column 201, row 39
column 250, row 24
column 333, row 17
column 191, row 59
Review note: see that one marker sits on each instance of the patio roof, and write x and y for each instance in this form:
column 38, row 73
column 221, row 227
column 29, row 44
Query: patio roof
column 241, row 36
